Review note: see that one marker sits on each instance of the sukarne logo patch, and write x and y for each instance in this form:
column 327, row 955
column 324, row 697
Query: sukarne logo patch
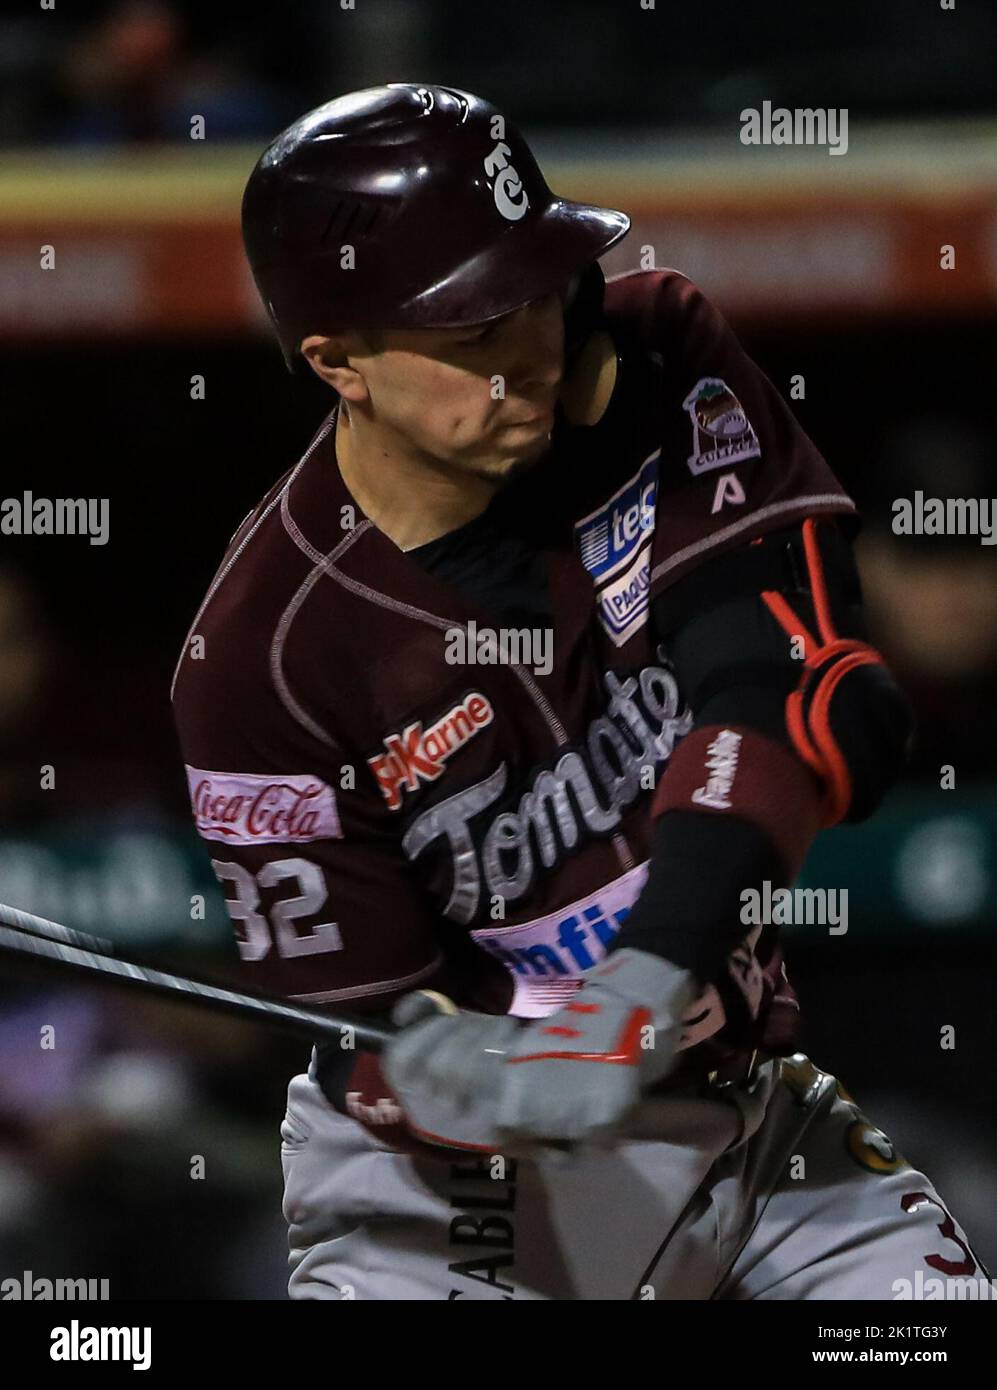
column 419, row 754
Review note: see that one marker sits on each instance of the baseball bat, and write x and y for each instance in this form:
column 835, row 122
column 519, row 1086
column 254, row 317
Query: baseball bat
column 34, row 938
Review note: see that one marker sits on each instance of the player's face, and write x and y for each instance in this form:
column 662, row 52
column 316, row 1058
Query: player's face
column 479, row 399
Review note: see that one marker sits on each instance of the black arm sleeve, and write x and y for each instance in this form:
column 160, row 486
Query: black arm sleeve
column 736, row 666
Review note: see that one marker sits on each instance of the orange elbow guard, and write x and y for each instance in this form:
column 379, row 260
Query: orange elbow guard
column 847, row 719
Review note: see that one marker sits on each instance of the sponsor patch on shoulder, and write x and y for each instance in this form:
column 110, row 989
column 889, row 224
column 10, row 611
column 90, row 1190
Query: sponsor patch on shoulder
column 722, row 434
column 614, row 542
column 249, row 808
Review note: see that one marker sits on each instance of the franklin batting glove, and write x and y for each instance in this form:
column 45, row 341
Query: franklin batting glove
column 446, row 1070
column 578, row 1074
column 496, row 1084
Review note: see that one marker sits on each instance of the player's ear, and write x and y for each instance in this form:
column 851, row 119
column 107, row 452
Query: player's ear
column 329, row 358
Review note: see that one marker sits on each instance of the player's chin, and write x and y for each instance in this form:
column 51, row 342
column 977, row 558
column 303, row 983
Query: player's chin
column 508, row 451
column 516, row 467
column 522, row 448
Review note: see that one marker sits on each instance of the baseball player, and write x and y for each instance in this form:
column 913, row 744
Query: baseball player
column 547, row 652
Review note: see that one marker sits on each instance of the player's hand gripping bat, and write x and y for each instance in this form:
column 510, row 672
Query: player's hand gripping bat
column 494, row 1083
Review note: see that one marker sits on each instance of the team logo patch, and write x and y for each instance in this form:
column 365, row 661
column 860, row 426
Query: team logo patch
column 614, row 542
column 419, row 755
column 246, row 808
column 721, row 431
column 871, row 1148
column 510, row 196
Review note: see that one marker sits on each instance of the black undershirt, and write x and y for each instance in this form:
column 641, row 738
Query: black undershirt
column 494, row 567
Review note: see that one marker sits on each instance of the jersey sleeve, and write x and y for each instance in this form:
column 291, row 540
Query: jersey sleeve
column 734, row 463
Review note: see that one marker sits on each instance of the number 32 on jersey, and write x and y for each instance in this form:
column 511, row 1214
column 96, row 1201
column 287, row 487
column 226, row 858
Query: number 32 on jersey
column 252, row 927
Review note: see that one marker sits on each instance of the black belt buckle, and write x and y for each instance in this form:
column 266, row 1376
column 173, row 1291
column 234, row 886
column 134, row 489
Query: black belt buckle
column 739, row 1071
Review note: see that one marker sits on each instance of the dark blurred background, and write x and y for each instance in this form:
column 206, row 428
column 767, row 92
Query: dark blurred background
column 828, row 267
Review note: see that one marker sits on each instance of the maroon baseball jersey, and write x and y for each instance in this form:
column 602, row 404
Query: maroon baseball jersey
column 385, row 817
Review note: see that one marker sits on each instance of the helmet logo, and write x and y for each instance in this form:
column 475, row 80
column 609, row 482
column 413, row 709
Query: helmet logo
column 507, row 190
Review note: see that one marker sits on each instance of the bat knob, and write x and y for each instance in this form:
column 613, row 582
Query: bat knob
column 420, row 1005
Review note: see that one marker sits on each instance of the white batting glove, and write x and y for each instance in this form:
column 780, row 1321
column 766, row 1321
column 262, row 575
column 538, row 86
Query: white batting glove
column 492, row 1083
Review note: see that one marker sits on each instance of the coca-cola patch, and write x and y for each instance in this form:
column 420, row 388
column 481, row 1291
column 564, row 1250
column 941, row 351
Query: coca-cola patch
column 250, row 808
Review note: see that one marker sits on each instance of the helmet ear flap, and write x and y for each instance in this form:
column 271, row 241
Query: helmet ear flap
column 583, row 312
column 590, row 362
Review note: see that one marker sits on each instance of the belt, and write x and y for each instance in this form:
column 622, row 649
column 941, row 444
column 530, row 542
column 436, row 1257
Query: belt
column 737, row 1070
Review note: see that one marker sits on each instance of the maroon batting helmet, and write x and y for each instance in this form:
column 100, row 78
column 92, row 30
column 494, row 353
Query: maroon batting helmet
column 408, row 206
